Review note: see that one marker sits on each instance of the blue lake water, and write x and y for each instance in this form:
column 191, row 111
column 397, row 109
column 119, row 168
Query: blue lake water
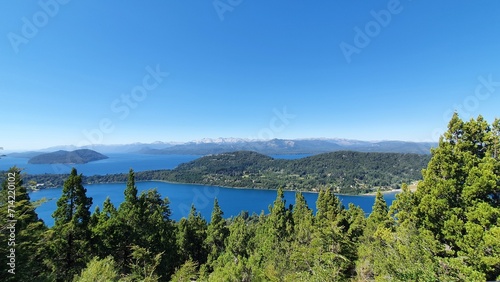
column 116, row 163
column 181, row 196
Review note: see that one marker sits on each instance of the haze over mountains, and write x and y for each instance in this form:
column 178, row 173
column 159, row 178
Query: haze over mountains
column 275, row 146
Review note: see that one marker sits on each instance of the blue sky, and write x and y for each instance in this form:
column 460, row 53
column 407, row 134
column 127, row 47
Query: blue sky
column 249, row 69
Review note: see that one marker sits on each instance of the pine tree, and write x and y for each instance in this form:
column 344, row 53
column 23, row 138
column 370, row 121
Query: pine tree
column 70, row 234
column 302, row 255
column 331, row 242
column 125, row 226
column 217, row 232
column 157, row 232
column 379, row 215
column 191, row 234
column 18, row 217
column 457, row 200
column 99, row 270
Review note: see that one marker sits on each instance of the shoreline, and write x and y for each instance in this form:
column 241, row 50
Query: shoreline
column 240, row 188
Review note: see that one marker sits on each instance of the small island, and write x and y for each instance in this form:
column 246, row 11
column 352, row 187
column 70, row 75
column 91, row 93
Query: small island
column 82, row 156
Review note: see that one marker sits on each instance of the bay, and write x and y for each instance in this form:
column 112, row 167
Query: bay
column 181, row 196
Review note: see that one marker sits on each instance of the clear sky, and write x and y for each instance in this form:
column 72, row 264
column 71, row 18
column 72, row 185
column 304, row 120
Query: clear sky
column 74, row 72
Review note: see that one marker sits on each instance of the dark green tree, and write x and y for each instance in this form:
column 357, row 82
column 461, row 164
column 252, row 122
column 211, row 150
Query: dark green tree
column 70, row 238
column 20, row 230
column 191, row 233
column 157, row 232
column 217, row 232
column 124, row 227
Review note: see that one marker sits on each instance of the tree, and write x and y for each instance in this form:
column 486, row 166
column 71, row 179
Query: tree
column 458, row 198
column 217, row 232
column 156, row 231
column 191, row 234
column 232, row 264
column 99, row 270
column 331, row 242
column 186, row 273
column 70, row 234
column 125, row 226
column 20, row 230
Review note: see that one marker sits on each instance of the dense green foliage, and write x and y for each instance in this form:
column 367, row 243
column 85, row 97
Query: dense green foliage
column 448, row 230
column 344, row 171
column 64, row 157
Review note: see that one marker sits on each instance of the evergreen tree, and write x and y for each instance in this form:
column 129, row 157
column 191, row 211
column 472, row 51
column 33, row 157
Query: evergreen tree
column 20, row 230
column 457, row 201
column 70, row 234
column 302, row 256
column 191, row 233
column 217, row 232
column 157, row 232
column 331, row 242
column 107, row 237
column 99, row 270
column 402, row 208
column 379, row 215
column 232, row 264
column 124, row 227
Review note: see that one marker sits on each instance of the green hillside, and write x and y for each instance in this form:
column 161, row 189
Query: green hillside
column 344, row 171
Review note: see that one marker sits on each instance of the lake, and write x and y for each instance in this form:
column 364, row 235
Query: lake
column 232, row 201
column 116, row 163
column 181, row 196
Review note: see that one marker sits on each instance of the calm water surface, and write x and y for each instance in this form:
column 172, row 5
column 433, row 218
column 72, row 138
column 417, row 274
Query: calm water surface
column 181, row 196
column 116, row 163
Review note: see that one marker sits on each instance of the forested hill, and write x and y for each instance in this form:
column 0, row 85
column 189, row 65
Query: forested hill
column 345, row 171
column 81, row 156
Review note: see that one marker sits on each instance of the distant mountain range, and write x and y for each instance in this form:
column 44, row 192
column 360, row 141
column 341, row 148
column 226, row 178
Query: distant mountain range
column 289, row 146
column 81, row 156
column 269, row 147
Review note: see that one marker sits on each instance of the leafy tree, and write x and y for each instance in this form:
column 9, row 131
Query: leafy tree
column 70, row 235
